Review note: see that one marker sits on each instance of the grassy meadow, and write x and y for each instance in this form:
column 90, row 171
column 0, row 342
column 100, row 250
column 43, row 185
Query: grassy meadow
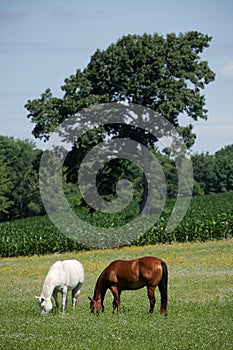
column 200, row 303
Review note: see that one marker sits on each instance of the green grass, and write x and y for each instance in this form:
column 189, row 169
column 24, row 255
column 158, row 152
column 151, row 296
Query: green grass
column 200, row 303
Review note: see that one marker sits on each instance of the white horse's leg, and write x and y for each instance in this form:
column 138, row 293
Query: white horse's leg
column 75, row 293
column 55, row 296
column 64, row 299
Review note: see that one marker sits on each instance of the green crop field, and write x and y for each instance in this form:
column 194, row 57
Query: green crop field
column 200, row 303
column 208, row 217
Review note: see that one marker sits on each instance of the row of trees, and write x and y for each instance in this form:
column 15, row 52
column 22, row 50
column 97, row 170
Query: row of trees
column 19, row 179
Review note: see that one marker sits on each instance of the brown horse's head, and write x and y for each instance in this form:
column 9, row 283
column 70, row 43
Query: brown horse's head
column 95, row 305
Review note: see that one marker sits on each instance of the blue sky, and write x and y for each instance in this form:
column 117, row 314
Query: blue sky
column 44, row 42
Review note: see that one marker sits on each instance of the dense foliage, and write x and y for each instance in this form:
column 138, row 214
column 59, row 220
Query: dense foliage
column 214, row 173
column 209, row 217
column 19, row 183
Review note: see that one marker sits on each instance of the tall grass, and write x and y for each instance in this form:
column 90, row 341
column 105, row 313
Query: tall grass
column 200, row 303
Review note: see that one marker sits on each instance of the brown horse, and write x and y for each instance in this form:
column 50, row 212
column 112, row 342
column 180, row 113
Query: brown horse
column 131, row 275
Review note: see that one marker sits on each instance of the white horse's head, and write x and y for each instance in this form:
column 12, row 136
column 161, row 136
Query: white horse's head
column 45, row 304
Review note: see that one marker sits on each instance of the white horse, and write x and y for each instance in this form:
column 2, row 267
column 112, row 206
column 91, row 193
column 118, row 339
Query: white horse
column 62, row 276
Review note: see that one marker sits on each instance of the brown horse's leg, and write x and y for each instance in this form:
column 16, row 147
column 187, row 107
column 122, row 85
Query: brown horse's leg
column 116, row 300
column 151, row 296
column 163, row 289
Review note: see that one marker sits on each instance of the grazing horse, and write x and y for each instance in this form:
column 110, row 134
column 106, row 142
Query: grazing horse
column 62, row 276
column 131, row 275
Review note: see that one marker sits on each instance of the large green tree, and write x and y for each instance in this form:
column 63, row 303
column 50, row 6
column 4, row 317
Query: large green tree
column 165, row 74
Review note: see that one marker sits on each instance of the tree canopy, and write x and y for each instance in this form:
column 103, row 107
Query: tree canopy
column 165, row 74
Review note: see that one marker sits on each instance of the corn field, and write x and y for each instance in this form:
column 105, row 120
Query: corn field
column 208, row 217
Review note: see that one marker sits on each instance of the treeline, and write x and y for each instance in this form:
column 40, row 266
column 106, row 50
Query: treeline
column 19, row 178
column 214, row 173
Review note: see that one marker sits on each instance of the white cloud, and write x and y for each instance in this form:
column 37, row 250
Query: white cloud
column 227, row 71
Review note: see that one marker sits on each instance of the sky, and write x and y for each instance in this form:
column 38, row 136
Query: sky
column 44, row 42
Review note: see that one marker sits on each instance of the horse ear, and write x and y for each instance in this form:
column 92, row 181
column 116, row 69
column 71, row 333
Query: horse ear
column 90, row 298
column 36, row 297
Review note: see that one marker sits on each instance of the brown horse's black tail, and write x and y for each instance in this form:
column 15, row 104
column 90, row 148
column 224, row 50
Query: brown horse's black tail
column 163, row 289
